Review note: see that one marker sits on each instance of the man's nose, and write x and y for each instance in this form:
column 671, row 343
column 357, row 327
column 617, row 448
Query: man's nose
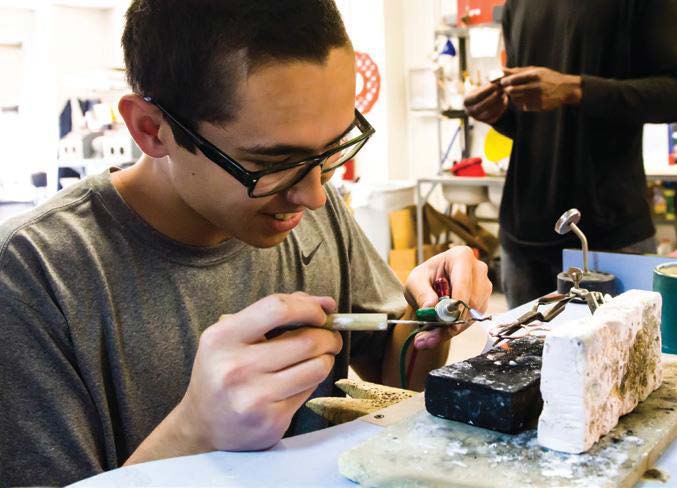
column 308, row 192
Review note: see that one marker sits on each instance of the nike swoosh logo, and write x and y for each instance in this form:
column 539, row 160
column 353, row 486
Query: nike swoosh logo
column 307, row 259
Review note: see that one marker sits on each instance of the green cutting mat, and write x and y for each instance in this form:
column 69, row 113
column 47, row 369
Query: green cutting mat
column 428, row 451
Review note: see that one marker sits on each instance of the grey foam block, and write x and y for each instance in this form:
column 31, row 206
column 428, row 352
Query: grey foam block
column 498, row 390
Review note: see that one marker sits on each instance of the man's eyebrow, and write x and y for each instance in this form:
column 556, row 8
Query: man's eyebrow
column 285, row 149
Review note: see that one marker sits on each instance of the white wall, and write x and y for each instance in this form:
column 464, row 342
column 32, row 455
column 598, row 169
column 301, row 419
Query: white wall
column 15, row 26
column 59, row 42
column 418, row 34
column 398, row 35
column 375, row 28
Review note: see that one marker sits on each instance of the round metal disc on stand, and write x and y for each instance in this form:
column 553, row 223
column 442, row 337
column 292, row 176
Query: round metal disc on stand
column 590, row 280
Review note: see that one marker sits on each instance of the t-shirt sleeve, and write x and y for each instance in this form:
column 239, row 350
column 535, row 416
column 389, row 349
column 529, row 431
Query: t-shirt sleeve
column 652, row 96
column 374, row 286
column 48, row 424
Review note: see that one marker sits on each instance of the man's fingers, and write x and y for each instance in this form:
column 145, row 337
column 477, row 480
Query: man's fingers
column 478, row 95
column 528, row 100
column 296, row 346
column 419, row 291
column 533, row 88
column 252, row 323
column 433, row 338
column 456, row 264
column 328, row 304
column 468, row 280
column 428, row 339
column 479, row 300
column 528, row 104
column 486, row 104
column 520, row 78
column 494, row 113
column 460, row 272
column 422, row 295
column 517, row 69
column 293, row 403
column 482, row 287
column 298, row 378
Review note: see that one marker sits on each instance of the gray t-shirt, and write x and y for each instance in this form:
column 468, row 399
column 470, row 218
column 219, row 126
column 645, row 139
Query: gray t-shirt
column 100, row 317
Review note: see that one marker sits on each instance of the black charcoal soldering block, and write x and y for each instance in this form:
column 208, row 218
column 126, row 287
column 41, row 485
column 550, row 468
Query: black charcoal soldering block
column 498, row 390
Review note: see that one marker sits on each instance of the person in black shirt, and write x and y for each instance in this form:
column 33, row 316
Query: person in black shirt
column 582, row 79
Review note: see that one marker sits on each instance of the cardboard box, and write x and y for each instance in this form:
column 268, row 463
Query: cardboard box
column 403, row 228
column 402, row 261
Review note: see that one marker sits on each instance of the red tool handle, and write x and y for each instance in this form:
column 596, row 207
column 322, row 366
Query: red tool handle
column 441, row 287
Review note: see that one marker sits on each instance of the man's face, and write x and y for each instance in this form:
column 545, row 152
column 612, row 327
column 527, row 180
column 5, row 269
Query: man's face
column 286, row 112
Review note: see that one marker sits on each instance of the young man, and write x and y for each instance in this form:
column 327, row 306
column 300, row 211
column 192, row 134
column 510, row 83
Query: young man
column 112, row 347
column 583, row 79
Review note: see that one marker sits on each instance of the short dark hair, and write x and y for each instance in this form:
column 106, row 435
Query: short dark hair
column 190, row 55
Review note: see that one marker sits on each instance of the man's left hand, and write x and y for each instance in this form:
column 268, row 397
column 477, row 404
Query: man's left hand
column 537, row 89
column 468, row 279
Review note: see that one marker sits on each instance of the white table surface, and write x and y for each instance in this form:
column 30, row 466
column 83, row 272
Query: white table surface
column 449, row 179
column 305, row 460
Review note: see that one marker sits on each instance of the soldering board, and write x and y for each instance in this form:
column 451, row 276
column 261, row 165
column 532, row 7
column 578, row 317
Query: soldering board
column 424, row 450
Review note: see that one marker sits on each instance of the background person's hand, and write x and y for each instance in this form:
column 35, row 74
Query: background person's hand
column 486, row 103
column 244, row 389
column 536, row 89
column 468, row 280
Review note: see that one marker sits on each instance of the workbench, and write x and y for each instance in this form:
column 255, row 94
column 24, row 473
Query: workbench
column 305, row 460
column 662, row 174
column 425, row 187
column 429, row 185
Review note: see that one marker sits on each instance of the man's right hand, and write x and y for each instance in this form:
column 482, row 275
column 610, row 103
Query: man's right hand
column 244, row 389
column 486, row 103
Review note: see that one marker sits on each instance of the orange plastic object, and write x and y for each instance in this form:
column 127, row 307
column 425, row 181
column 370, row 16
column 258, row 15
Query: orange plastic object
column 474, row 12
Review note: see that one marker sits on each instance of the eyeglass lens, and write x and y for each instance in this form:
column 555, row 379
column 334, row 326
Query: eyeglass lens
column 282, row 180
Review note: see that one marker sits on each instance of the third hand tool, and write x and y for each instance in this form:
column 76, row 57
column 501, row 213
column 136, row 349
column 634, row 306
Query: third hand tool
column 591, row 280
column 594, row 300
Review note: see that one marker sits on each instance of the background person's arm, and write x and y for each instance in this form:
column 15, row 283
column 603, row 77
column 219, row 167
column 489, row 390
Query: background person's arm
column 652, row 97
column 649, row 97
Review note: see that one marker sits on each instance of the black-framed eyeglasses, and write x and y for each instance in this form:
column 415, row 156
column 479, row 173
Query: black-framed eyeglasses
column 285, row 175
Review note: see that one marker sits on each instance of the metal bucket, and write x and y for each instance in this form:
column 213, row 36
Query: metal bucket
column 665, row 283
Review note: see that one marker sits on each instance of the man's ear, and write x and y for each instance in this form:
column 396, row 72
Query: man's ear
column 143, row 121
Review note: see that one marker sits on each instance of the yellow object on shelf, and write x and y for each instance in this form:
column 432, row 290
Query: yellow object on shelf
column 497, row 146
column 671, row 211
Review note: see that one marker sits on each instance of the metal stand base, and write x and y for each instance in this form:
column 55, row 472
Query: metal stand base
column 592, row 281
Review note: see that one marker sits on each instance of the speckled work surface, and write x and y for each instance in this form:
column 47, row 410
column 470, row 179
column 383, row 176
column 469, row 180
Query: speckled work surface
column 427, row 451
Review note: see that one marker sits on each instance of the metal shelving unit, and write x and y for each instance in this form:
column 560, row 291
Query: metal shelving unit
column 461, row 34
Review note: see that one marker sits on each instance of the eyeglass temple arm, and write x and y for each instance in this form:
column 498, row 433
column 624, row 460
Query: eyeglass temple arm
column 205, row 147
